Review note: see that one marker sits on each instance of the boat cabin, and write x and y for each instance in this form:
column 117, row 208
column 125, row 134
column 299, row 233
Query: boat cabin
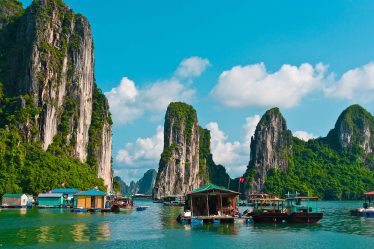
column 90, row 199
column 297, row 204
column 212, row 201
column 369, row 200
column 68, row 194
column 15, row 201
column 50, row 200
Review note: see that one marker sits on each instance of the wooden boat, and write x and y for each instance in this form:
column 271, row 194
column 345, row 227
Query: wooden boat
column 174, row 201
column 267, row 210
column 302, row 209
column 254, row 196
column 141, row 208
column 367, row 210
column 122, row 204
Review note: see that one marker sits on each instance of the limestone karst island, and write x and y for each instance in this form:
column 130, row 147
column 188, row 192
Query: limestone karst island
column 186, row 124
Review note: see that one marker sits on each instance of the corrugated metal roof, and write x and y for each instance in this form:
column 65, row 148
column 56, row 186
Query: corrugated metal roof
column 92, row 192
column 212, row 187
column 13, row 195
column 53, row 195
column 65, row 190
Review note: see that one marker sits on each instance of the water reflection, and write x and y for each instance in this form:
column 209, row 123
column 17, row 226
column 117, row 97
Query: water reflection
column 225, row 228
column 45, row 235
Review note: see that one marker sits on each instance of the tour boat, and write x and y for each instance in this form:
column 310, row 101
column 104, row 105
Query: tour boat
column 367, row 209
column 302, row 209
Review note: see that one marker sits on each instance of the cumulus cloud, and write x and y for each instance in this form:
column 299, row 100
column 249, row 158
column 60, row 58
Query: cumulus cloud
column 143, row 153
column 303, row 135
column 233, row 155
column 129, row 102
column 192, row 67
column 356, row 85
column 253, row 85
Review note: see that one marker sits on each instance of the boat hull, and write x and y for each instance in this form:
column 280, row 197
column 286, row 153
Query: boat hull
column 269, row 217
column 305, row 217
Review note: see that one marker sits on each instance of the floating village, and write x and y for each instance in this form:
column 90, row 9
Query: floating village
column 207, row 204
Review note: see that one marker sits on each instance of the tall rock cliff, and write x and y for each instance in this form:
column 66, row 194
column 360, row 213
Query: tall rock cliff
column 47, row 56
column 271, row 148
column 354, row 127
column 178, row 170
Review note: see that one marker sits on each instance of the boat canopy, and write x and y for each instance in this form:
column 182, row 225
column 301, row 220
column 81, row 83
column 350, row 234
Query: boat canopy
column 303, row 198
column 369, row 193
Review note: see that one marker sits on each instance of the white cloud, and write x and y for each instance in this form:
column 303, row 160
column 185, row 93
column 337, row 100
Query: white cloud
column 303, row 135
column 143, row 153
column 233, row 155
column 129, row 102
column 253, row 85
column 192, row 67
column 356, row 85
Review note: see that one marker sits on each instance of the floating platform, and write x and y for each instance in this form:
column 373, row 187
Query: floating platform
column 15, row 207
column 208, row 219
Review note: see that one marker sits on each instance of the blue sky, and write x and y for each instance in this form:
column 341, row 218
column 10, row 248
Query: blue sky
column 146, row 41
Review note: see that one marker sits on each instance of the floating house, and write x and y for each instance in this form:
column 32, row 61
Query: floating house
column 50, row 200
column 68, row 194
column 15, row 201
column 210, row 203
column 90, row 200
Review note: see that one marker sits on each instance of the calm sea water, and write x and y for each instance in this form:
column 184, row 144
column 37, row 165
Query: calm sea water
column 156, row 228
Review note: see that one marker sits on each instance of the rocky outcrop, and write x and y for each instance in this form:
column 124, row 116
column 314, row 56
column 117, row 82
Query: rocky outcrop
column 178, row 170
column 209, row 170
column 354, row 127
column 271, row 148
column 48, row 56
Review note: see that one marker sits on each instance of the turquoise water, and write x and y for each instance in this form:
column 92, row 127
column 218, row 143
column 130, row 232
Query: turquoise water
column 156, row 228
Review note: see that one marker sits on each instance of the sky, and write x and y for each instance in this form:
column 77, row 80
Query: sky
column 231, row 60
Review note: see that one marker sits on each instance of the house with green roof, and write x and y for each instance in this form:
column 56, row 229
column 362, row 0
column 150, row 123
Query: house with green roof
column 15, row 201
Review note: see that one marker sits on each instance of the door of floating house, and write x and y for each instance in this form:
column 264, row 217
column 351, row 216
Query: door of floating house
column 14, row 200
column 90, row 199
column 50, row 200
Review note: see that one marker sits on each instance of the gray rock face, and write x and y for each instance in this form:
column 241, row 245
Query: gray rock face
column 270, row 147
column 179, row 164
column 53, row 62
column 60, row 66
column 354, row 126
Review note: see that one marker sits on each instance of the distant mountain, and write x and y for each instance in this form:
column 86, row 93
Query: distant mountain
column 338, row 166
column 143, row 186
